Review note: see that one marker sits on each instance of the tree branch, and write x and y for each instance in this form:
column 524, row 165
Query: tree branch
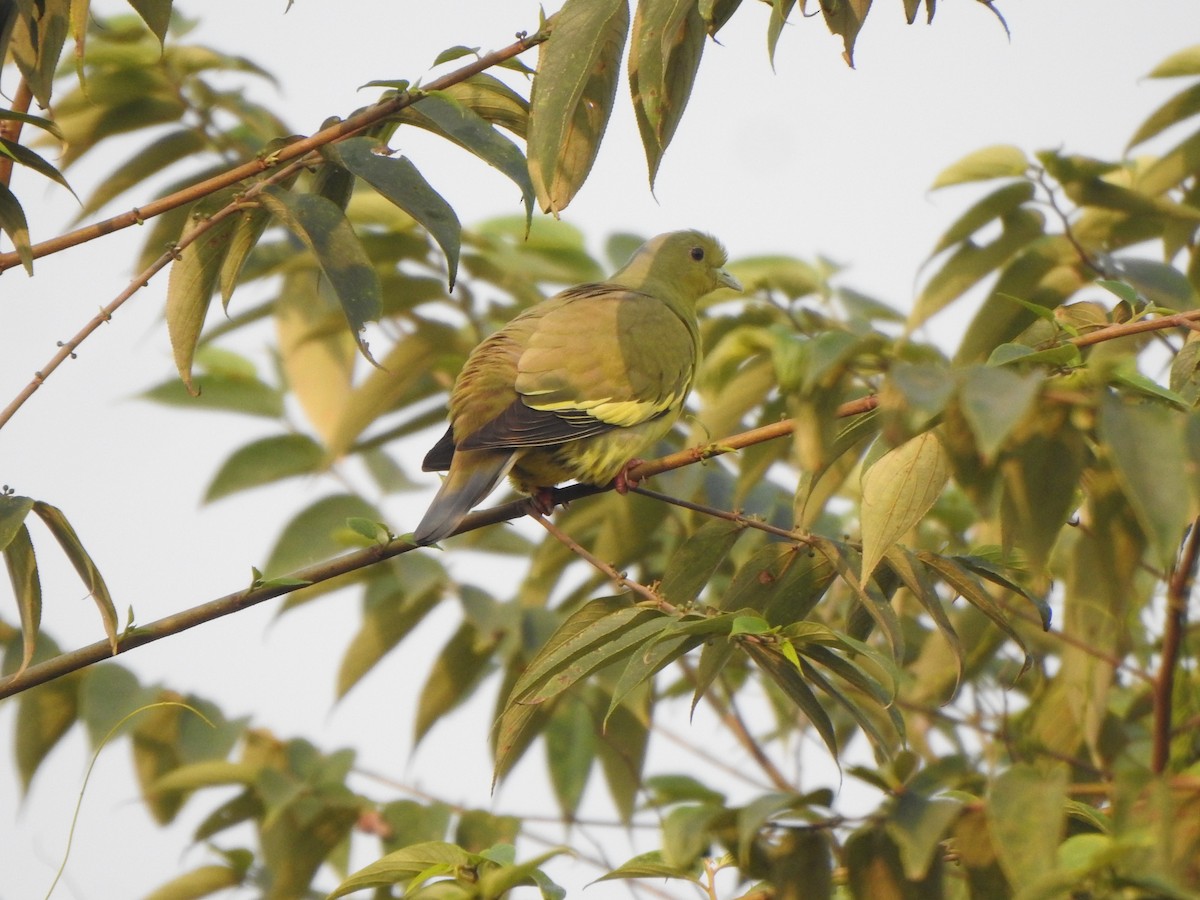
column 1178, row 588
column 336, row 132
column 10, row 130
column 83, row 657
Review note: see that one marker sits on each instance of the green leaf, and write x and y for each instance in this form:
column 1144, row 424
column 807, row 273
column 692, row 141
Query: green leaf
column 151, row 159
column 463, row 662
column 1041, row 475
column 665, row 48
column 1062, row 356
column 13, row 510
column 451, row 114
column 1026, row 814
column 13, row 223
column 780, row 9
column 265, row 461
column 312, row 535
column 456, row 52
column 191, row 283
column 847, row 563
column 1182, row 106
column 324, row 228
column 249, row 225
column 44, row 715
column 967, row 585
column 994, row 401
column 995, row 205
column 428, row 859
column 971, row 263
column 22, row 155
column 1180, row 64
column 792, row 683
column 572, row 96
column 399, row 181
column 897, row 492
column 918, row 825
column 1161, row 284
column 845, row 18
column 221, row 391
column 570, row 751
column 27, row 588
column 998, row 161
column 1146, row 440
column 651, row 865
column 36, row 43
column 395, row 603
column 156, row 14
column 82, row 562
column 691, row 567
column 685, row 834
column 202, row 881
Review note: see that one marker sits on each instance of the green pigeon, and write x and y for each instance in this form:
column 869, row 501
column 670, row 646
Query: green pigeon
column 579, row 384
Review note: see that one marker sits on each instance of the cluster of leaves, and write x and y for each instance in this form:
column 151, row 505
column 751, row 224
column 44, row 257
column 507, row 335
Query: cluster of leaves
column 820, row 574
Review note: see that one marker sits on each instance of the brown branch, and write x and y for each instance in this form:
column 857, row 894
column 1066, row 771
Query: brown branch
column 336, row 132
column 83, row 657
column 1124, row 329
column 1178, row 588
column 10, row 129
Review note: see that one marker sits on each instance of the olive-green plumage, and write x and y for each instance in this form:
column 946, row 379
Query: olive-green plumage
column 576, row 386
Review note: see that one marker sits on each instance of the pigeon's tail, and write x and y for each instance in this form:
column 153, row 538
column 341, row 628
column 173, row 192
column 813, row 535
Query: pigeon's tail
column 472, row 476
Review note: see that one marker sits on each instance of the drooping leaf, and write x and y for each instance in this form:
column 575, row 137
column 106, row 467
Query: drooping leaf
column 898, row 490
column 36, row 44
column 1026, row 811
column 192, row 281
column 21, row 563
column 399, row 181
column 44, row 715
column 845, row 18
column 570, row 752
column 692, row 565
column 22, row 155
column 993, row 402
column 572, row 96
column 464, row 660
column 1145, row 440
column 665, row 48
column 14, row 224
column 82, row 562
column 156, row 14
column 392, row 607
column 324, row 228
column 461, row 117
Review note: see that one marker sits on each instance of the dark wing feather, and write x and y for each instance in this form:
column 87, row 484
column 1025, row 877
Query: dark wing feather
column 523, row 426
column 439, row 455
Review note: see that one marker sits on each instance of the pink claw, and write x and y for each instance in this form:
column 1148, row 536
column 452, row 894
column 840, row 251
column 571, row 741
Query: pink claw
column 623, row 482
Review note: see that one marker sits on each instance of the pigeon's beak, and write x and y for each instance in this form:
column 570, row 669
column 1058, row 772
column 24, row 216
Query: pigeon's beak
column 728, row 280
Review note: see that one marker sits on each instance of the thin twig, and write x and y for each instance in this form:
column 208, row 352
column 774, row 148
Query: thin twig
column 718, row 513
column 583, row 553
column 339, row 130
column 1178, row 588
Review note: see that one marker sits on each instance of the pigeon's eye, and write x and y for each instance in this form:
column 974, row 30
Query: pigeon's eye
column 697, row 253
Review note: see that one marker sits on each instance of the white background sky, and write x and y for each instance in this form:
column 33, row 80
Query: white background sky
column 811, row 158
